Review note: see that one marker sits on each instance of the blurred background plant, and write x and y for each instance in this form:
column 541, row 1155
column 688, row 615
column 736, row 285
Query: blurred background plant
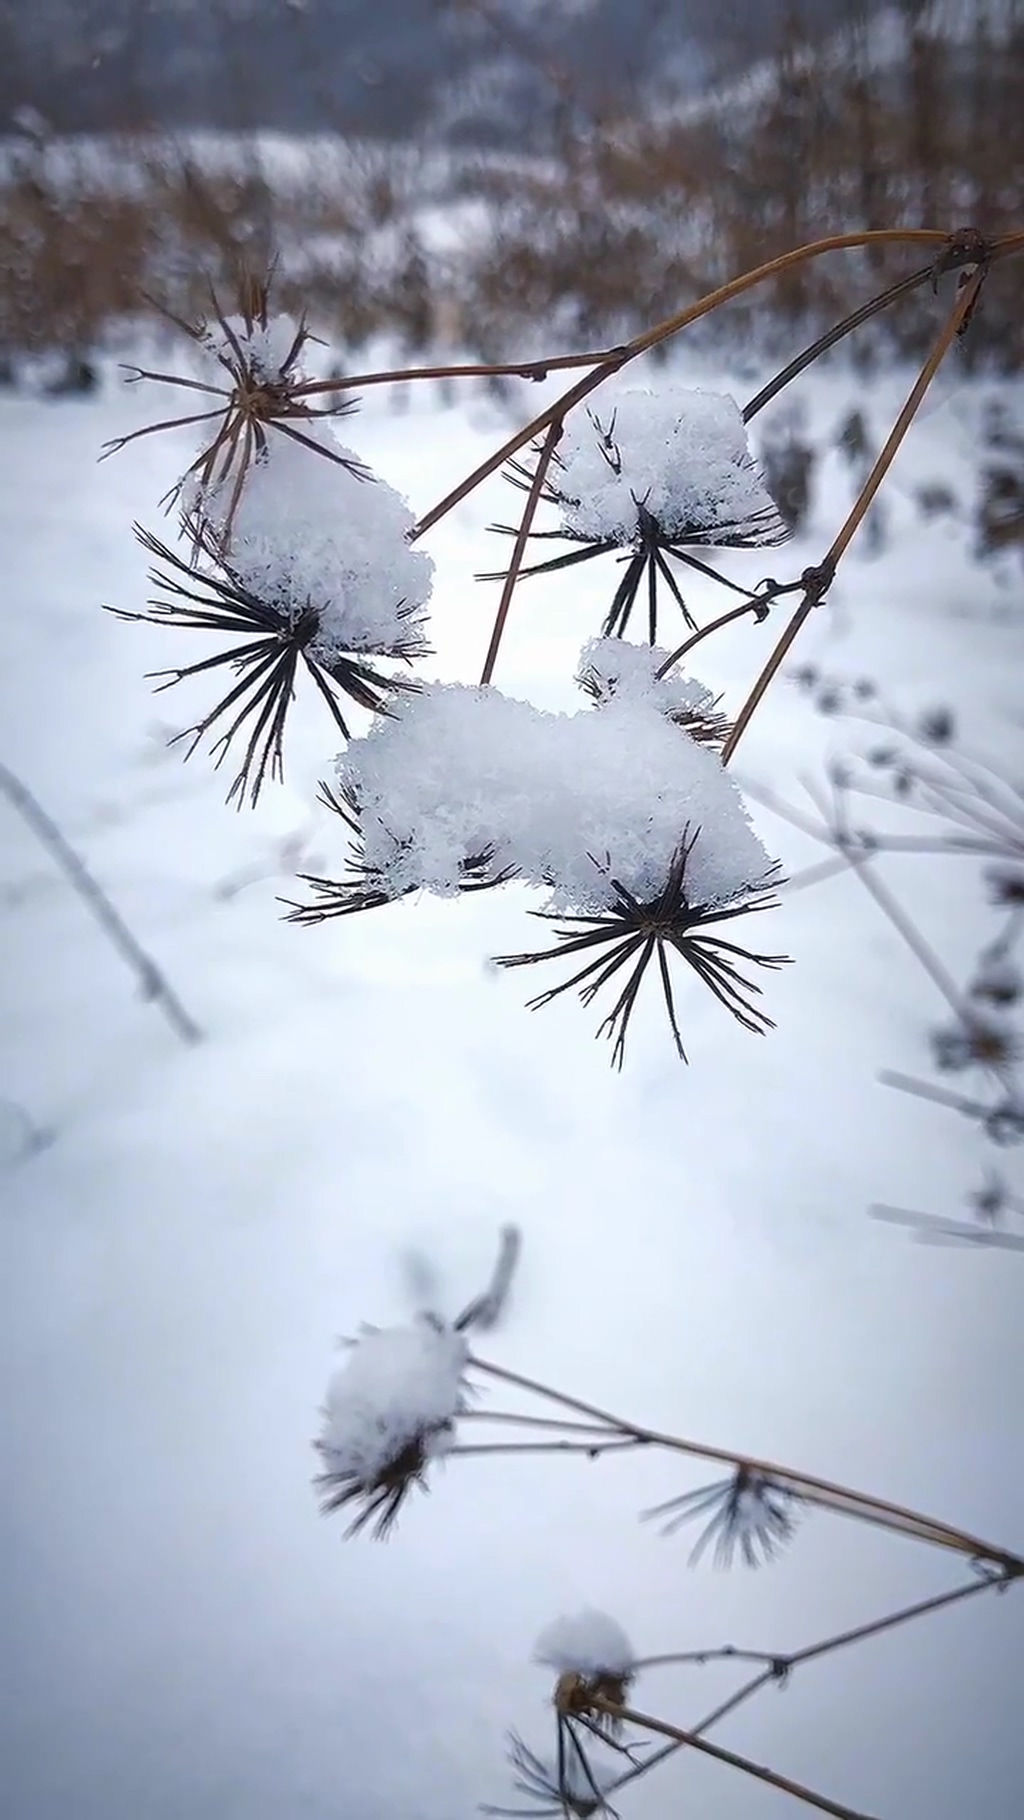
column 468, row 172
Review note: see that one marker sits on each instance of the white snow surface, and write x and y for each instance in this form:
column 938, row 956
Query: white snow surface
column 398, row 1385
column 309, row 532
column 589, row 1642
column 681, row 453
column 570, row 801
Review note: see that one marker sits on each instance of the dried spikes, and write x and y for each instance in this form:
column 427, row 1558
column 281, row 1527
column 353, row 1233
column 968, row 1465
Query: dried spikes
column 275, row 640
column 630, row 934
column 266, row 389
column 571, row 1787
column 647, row 520
column 365, row 887
column 748, row 1513
column 389, row 1412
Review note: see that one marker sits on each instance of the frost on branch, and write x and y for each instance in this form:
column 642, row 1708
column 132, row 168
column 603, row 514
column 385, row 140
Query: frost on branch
column 388, row 1413
column 633, row 827
column 681, row 455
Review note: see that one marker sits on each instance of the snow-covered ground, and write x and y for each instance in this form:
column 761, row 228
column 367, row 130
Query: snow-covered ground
column 184, row 1635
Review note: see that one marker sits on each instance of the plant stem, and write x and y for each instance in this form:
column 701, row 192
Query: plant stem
column 519, row 548
column 813, row 594
column 823, row 1491
column 153, row 982
column 629, row 1716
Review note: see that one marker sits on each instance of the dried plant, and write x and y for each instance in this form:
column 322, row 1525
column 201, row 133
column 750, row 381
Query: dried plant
column 404, row 1399
column 631, row 934
column 280, row 636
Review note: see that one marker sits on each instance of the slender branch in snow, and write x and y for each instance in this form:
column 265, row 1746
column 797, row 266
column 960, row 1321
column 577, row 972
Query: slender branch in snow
column 152, row 980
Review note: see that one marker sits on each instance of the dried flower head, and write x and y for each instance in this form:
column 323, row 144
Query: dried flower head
column 388, row 1414
column 573, row 1785
column 279, row 633
column 663, row 474
column 262, row 386
column 630, row 933
column 749, row 1512
column 593, row 1659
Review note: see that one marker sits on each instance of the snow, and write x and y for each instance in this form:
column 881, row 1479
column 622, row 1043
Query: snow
column 682, row 454
column 613, row 669
column 270, row 348
column 312, row 533
column 575, row 802
column 399, row 1386
column 589, row 1643
column 176, row 1258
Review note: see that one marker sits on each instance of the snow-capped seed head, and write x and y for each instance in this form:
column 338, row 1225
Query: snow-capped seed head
column 259, row 348
column 681, row 457
column 321, row 541
column 610, row 669
column 210, row 593
column 570, row 802
column 589, row 1644
column 593, row 1660
column 389, row 1412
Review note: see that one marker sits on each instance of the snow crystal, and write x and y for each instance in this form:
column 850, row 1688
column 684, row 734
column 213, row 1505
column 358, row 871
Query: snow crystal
column 590, row 1644
column 309, row 533
column 681, row 454
column 568, row 801
column 398, row 1385
column 610, row 669
column 266, row 347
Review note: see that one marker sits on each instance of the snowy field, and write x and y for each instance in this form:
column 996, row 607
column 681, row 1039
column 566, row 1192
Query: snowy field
column 184, row 1635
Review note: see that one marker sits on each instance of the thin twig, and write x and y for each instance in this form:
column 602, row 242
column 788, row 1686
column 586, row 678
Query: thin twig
column 663, row 331
column 519, row 549
column 826, row 569
column 805, row 1485
column 627, row 1715
column 153, row 982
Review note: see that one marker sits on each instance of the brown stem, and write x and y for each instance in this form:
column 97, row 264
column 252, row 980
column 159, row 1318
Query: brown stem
column 519, row 548
column 715, row 625
column 629, row 1716
column 826, row 569
column 512, row 369
column 662, row 331
column 805, row 1484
